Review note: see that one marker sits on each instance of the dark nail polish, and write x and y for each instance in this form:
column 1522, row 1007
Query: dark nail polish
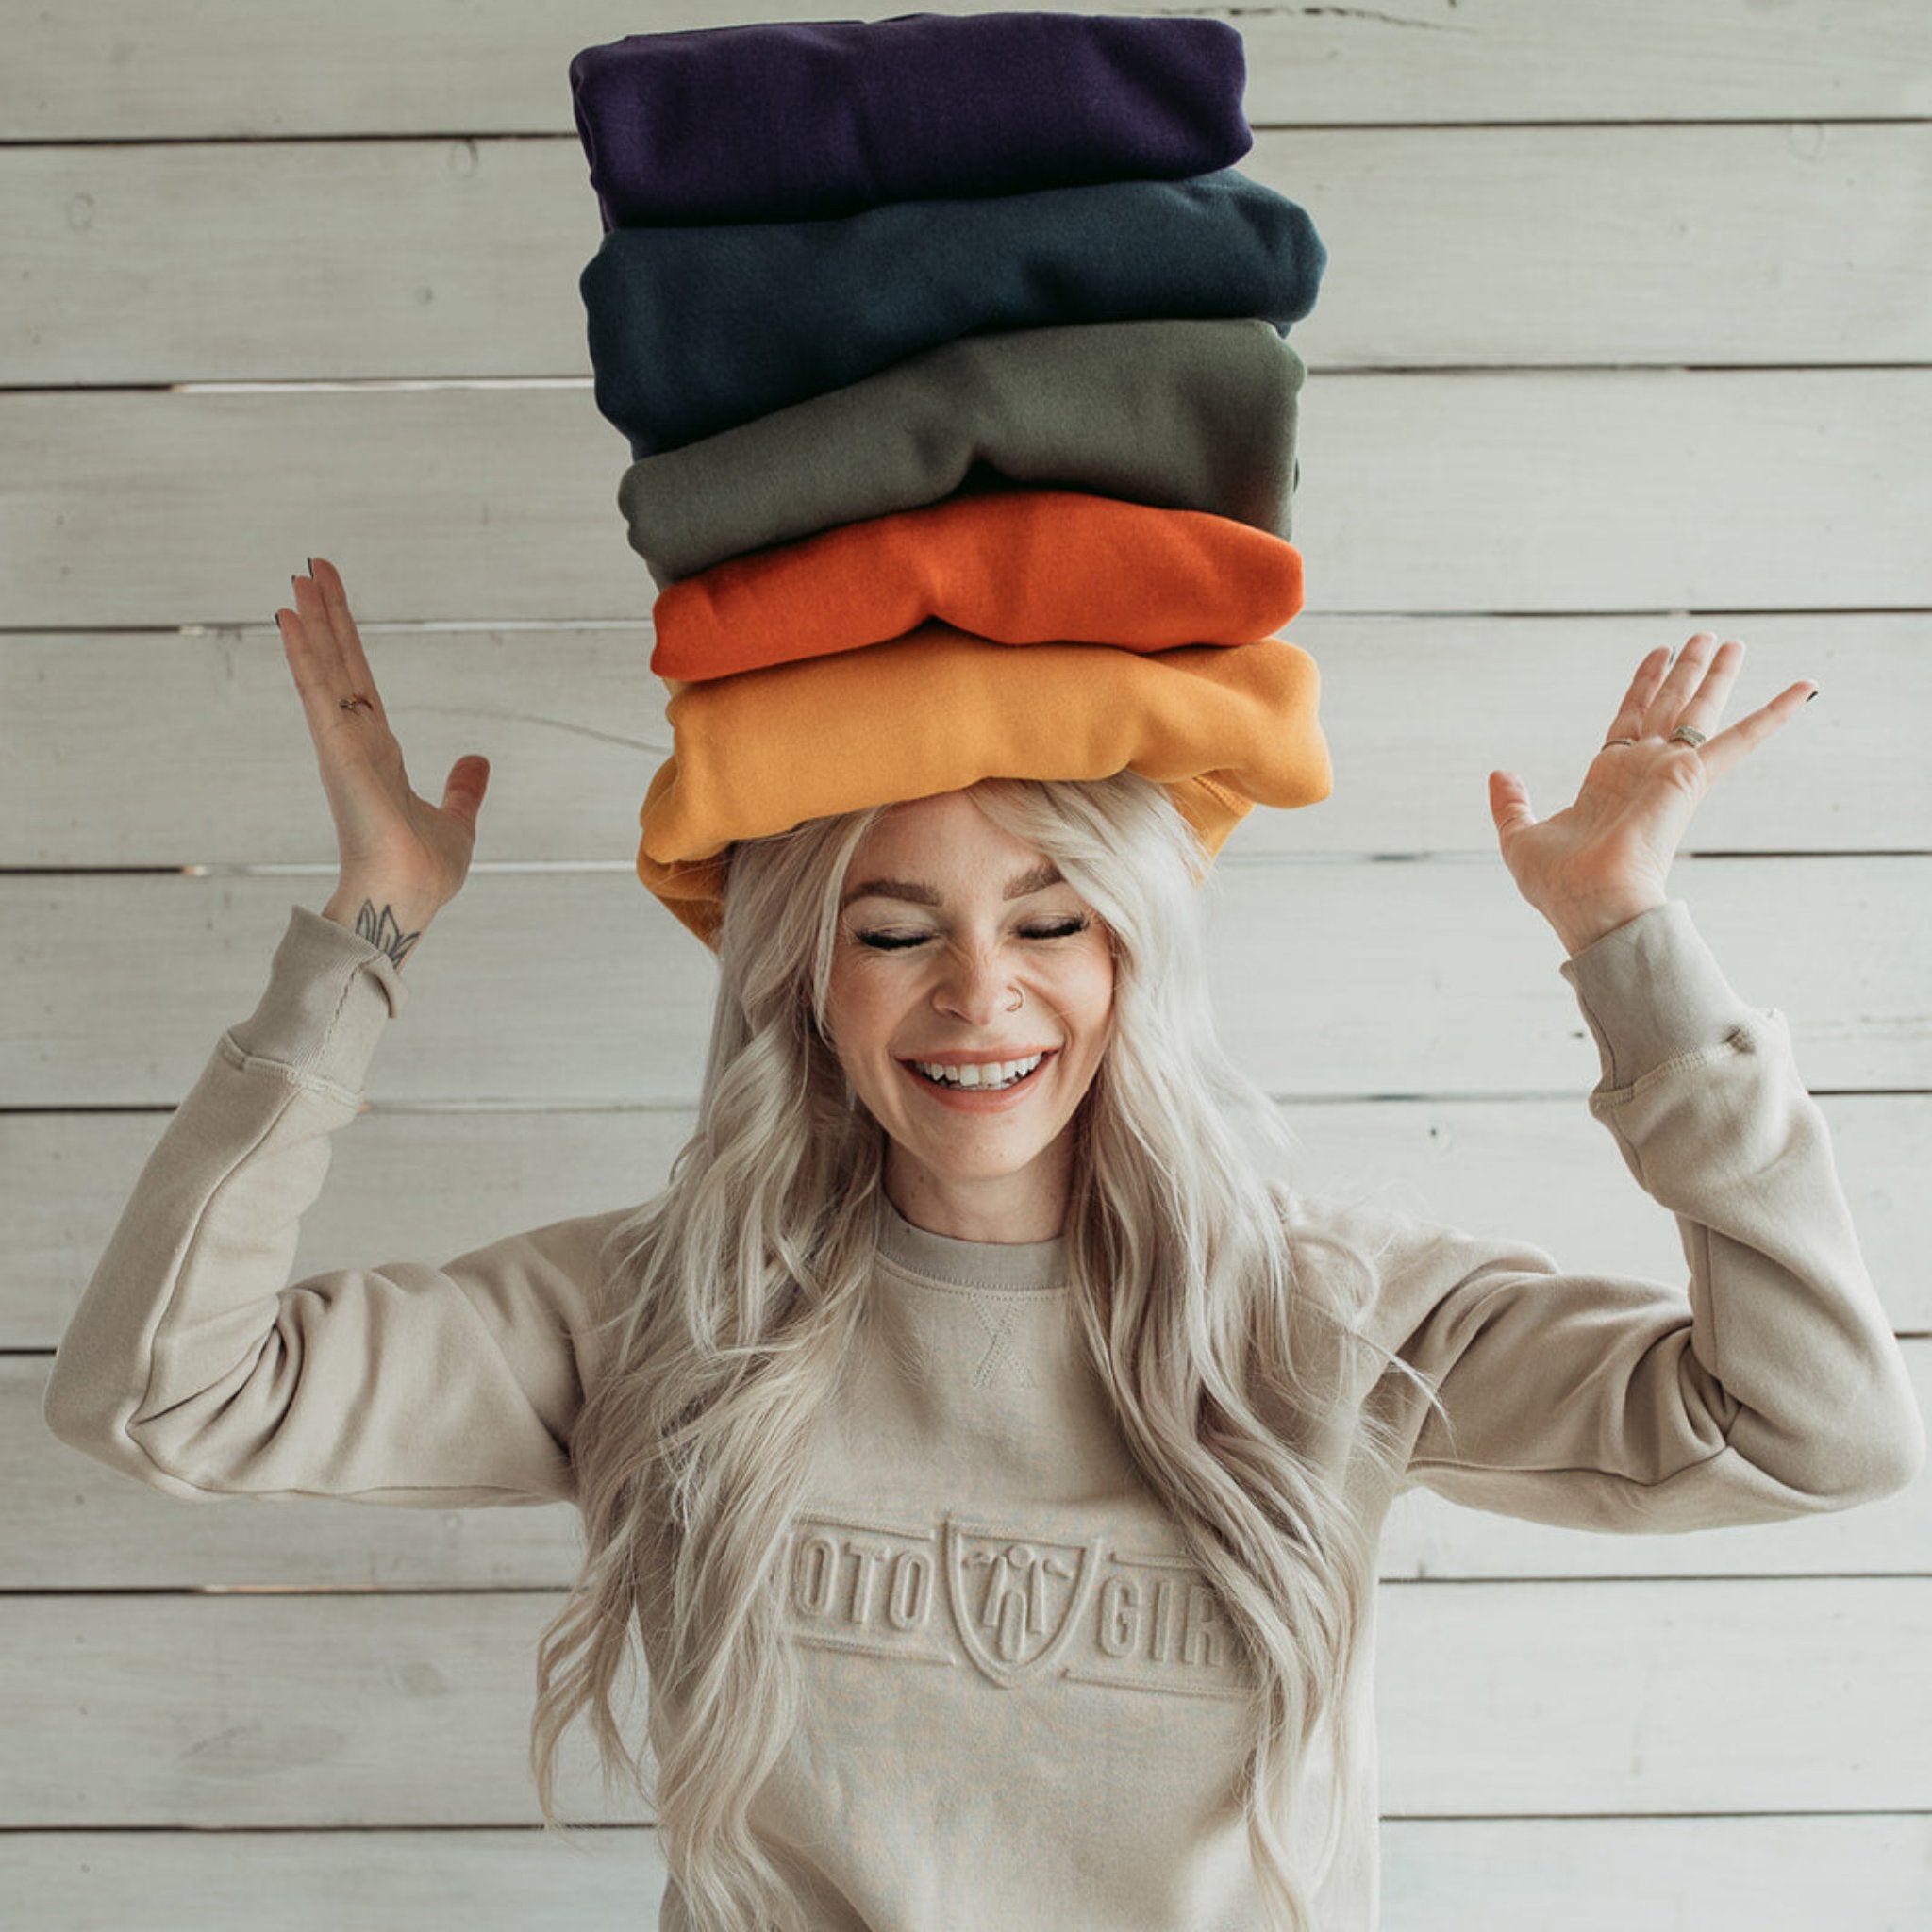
column 1813, row 695
column 311, row 566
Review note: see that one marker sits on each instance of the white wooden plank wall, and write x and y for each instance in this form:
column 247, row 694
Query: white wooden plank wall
column 1628, row 329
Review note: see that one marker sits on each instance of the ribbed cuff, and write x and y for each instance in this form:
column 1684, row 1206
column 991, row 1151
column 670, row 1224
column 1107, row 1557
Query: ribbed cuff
column 330, row 993
column 1651, row 990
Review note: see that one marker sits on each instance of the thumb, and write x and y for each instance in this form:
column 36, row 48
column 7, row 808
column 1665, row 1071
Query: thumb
column 469, row 778
column 1509, row 804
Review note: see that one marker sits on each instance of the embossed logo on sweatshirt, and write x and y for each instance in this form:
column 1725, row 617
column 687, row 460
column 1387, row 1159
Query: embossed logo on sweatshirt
column 1012, row 1598
column 1014, row 1605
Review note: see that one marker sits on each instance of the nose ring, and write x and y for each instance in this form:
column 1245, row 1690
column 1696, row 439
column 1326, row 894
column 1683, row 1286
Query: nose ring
column 1019, row 999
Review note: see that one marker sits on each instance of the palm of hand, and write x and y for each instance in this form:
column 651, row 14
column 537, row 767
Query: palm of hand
column 1604, row 858
column 394, row 843
column 383, row 828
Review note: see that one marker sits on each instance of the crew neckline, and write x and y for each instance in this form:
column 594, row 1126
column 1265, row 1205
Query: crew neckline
column 1034, row 1266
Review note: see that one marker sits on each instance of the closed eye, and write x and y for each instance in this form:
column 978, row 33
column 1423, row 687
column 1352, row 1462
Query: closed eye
column 883, row 939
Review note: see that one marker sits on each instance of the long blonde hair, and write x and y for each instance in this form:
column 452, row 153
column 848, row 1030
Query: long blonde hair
column 1235, row 1377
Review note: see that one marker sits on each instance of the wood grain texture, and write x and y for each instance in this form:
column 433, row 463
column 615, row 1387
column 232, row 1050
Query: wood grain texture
column 1537, row 1170
column 68, row 1523
column 1474, row 247
column 1586, row 1874
column 1632, row 1697
column 1665, row 1874
column 1547, row 492
column 572, row 723
column 574, row 988
column 1774, row 244
column 273, row 1709
column 609, row 1880
column 1498, row 1699
column 228, row 68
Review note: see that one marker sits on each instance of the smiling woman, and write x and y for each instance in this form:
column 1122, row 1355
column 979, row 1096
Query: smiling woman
column 980, row 1436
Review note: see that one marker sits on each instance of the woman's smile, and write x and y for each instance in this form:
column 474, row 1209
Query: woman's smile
column 977, row 1083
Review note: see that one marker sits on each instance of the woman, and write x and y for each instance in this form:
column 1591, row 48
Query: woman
column 985, row 1444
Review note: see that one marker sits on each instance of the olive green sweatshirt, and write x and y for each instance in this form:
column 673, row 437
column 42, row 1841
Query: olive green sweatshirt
column 1023, row 1703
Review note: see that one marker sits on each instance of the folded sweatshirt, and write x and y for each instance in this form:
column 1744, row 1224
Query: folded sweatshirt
column 1021, row 1705
column 800, row 121
column 936, row 711
column 1186, row 415
column 692, row 330
column 1013, row 566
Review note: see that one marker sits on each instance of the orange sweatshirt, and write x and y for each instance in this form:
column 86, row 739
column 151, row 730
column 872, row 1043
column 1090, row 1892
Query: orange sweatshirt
column 1015, row 566
column 936, row 711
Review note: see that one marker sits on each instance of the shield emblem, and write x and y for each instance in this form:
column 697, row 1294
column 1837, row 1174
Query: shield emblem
column 1015, row 1597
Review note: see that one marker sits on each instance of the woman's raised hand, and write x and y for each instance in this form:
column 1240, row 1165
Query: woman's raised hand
column 401, row 857
column 1598, row 863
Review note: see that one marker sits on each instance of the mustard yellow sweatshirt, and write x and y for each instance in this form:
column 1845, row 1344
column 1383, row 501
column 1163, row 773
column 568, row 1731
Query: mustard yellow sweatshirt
column 1022, row 1706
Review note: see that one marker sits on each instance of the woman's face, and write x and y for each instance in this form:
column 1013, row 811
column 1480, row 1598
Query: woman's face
column 971, row 1003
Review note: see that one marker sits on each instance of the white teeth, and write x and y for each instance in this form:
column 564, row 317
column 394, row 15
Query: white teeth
column 985, row 1074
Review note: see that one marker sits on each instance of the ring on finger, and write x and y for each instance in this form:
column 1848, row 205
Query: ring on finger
column 1609, row 742
column 1688, row 734
column 355, row 701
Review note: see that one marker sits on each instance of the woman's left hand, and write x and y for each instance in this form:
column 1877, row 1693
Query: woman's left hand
column 1597, row 864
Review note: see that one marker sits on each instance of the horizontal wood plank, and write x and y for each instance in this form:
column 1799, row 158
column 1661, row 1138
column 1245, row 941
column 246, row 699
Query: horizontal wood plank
column 1497, row 1700
column 187, row 68
column 1598, row 1698
column 608, row 1880
column 273, row 1709
column 572, row 723
column 1764, row 244
column 1546, row 492
column 1664, row 1875
column 1587, row 1874
column 1443, row 983
column 69, row 1524
column 1626, row 245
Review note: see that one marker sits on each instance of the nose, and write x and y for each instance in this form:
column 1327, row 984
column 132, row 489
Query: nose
column 975, row 987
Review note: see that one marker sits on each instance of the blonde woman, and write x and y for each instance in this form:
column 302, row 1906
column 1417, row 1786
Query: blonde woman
column 979, row 1438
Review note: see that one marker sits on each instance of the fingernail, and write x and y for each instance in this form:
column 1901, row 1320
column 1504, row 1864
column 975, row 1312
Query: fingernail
column 311, row 566
column 1814, row 694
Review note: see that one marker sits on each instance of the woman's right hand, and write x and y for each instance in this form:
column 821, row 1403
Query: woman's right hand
column 401, row 857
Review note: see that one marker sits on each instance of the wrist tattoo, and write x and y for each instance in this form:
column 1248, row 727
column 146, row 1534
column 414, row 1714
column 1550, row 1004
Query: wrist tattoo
column 380, row 929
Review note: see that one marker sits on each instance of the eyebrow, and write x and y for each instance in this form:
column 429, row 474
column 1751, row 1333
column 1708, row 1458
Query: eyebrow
column 915, row 892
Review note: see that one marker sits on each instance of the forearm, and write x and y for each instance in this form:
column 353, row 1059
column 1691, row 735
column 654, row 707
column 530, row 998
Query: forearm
column 185, row 1297
column 193, row 1362
column 1789, row 1341
column 1774, row 1388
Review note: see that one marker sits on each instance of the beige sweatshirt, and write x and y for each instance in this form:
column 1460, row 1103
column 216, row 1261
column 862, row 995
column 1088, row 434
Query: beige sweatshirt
column 1023, row 1706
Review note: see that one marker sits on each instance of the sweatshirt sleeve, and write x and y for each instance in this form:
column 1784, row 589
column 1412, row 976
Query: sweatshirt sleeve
column 193, row 1364
column 1769, row 1385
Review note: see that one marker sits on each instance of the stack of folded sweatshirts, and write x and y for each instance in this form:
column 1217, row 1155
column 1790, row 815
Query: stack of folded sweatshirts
column 952, row 355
